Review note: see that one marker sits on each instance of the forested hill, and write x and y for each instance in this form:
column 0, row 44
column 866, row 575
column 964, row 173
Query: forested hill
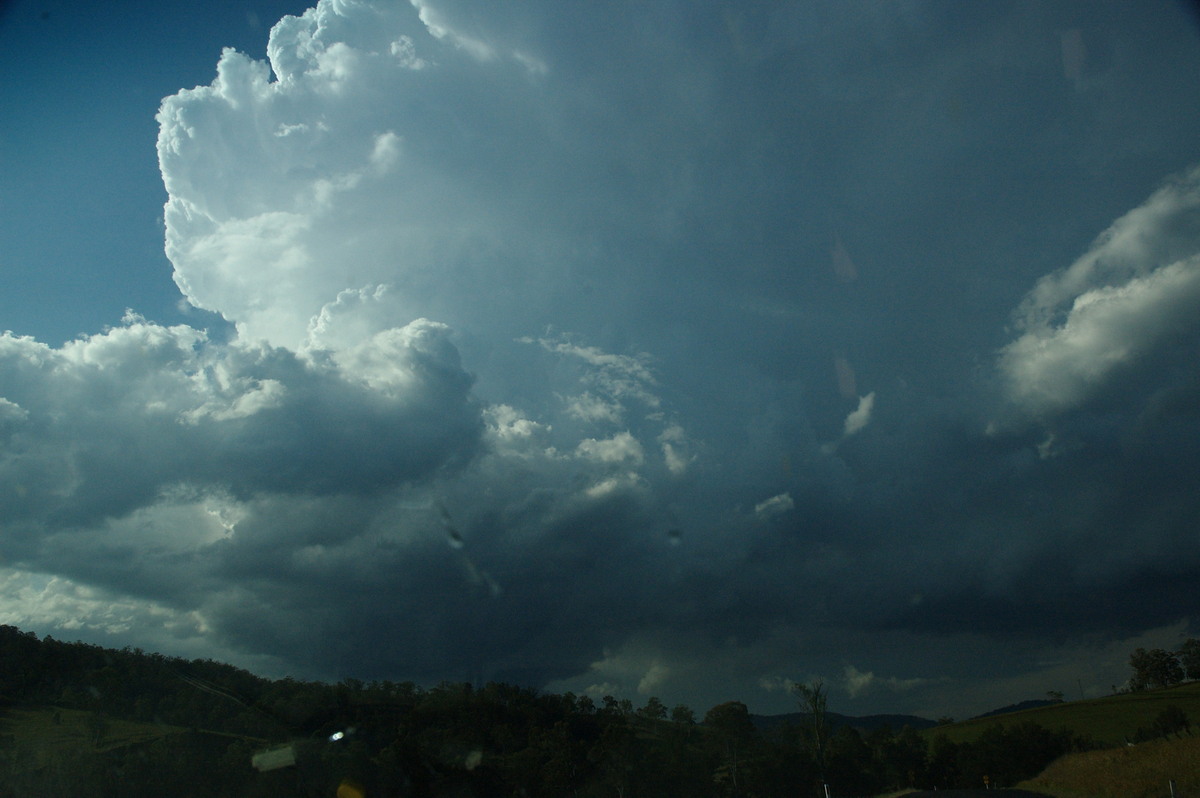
column 135, row 685
column 84, row 721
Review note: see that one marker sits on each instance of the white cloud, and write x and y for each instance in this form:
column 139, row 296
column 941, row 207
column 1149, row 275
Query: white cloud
column 1136, row 290
column 441, row 26
column 438, row 27
column 69, row 609
column 512, row 429
column 391, row 361
column 385, row 153
column 34, row 600
column 775, row 684
column 617, row 386
column 601, row 689
column 355, row 315
column 615, row 485
column 617, row 376
column 635, row 669
column 1054, row 368
column 254, row 223
column 11, row 413
column 260, row 395
column 403, row 49
column 654, row 679
column 367, row 176
column 675, row 446
column 856, row 421
column 776, row 505
column 589, row 408
column 621, row 448
column 676, row 462
column 860, row 417
column 1161, row 231
column 857, row 682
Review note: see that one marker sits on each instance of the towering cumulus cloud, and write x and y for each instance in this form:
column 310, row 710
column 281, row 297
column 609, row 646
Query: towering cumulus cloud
column 274, row 184
column 361, row 155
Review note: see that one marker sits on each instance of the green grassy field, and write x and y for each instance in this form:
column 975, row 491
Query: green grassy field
column 50, row 732
column 1108, row 721
column 1139, row 771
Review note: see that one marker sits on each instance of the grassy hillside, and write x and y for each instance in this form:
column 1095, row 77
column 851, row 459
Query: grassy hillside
column 48, row 750
column 50, row 732
column 1108, row 721
column 1140, row 771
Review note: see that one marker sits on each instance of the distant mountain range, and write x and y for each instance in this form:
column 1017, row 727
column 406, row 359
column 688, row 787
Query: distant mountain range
column 869, row 723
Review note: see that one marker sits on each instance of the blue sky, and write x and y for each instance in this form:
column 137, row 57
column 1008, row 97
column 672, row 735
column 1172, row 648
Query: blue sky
column 81, row 83
column 663, row 348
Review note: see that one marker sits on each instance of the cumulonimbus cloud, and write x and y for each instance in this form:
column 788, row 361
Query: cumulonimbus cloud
column 528, row 365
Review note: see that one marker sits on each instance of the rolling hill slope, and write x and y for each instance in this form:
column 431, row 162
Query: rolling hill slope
column 1108, row 721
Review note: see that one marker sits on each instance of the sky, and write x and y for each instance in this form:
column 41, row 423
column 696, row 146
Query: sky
column 685, row 349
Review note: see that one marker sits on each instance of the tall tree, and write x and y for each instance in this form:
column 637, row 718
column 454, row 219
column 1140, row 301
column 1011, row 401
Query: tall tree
column 735, row 732
column 812, row 698
column 682, row 715
column 1154, row 668
column 1189, row 658
column 615, row 755
column 654, row 709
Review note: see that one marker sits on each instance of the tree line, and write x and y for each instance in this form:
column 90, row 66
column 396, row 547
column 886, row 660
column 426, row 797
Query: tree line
column 383, row 738
column 1158, row 667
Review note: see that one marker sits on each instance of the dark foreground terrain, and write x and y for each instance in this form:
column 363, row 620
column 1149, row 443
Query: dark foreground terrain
column 85, row 721
column 977, row 794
